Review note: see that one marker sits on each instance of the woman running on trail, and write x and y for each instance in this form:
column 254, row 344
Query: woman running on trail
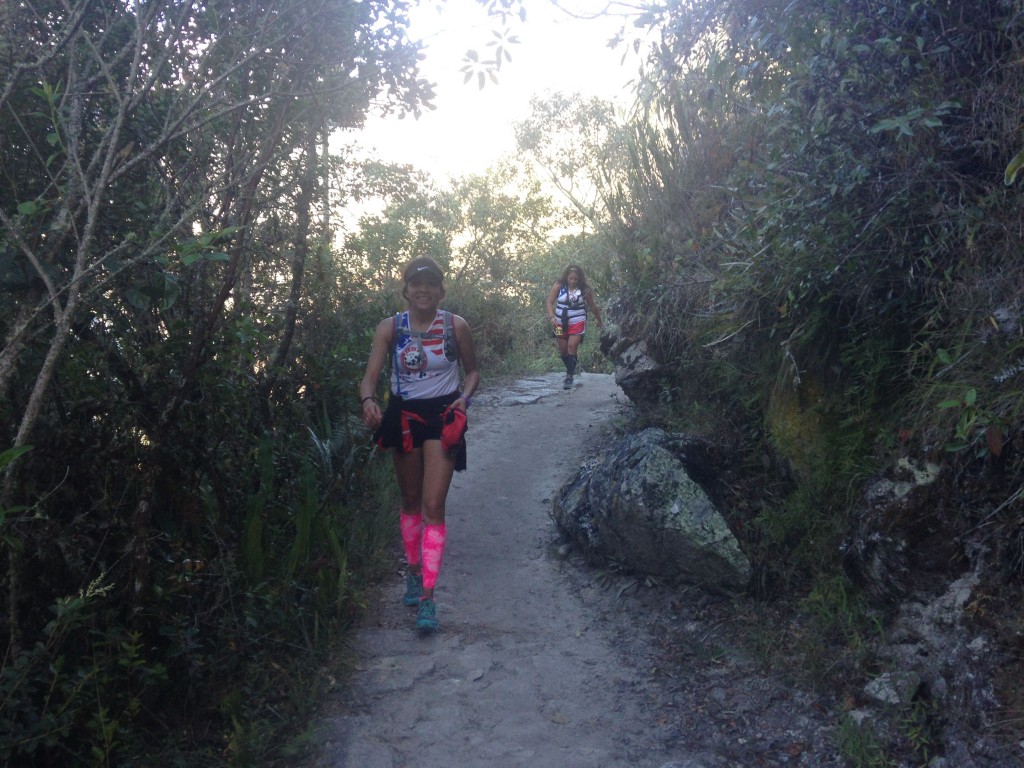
column 567, row 306
column 424, row 423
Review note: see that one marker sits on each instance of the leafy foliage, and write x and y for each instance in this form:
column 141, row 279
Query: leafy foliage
column 811, row 216
column 815, row 205
column 818, row 238
column 174, row 342
column 182, row 345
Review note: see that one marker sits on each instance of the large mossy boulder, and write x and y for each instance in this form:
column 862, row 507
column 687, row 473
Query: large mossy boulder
column 643, row 505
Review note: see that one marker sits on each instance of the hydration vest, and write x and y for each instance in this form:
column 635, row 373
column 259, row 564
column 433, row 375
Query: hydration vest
column 416, row 339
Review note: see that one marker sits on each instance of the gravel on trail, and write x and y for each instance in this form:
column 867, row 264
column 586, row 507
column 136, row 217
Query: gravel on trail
column 541, row 661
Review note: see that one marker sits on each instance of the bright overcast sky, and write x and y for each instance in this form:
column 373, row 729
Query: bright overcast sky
column 472, row 128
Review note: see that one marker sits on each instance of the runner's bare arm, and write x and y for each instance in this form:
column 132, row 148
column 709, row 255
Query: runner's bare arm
column 467, row 356
column 382, row 338
column 593, row 307
column 552, row 298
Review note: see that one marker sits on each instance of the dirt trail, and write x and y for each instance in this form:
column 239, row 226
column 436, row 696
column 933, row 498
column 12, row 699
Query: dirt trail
column 534, row 663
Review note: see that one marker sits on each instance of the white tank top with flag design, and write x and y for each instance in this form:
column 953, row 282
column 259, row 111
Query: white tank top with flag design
column 421, row 368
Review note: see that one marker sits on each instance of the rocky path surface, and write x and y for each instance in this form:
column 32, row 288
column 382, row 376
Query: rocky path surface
column 540, row 661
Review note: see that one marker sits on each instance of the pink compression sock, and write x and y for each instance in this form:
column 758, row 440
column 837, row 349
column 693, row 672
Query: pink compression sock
column 433, row 552
column 412, row 535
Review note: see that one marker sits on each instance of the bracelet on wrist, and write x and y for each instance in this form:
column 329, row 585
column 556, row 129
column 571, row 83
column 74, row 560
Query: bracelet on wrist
column 368, row 397
column 466, row 399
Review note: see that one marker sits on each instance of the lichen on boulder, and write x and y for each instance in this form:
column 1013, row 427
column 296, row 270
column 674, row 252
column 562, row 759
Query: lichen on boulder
column 641, row 504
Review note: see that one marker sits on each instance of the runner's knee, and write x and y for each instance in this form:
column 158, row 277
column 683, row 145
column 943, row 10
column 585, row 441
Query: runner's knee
column 433, row 514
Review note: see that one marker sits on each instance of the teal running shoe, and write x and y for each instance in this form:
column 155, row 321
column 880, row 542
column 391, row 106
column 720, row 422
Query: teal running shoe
column 426, row 619
column 413, row 589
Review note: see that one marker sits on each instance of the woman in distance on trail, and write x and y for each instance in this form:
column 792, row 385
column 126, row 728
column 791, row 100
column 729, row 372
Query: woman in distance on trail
column 425, row 419
column 567, row 305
